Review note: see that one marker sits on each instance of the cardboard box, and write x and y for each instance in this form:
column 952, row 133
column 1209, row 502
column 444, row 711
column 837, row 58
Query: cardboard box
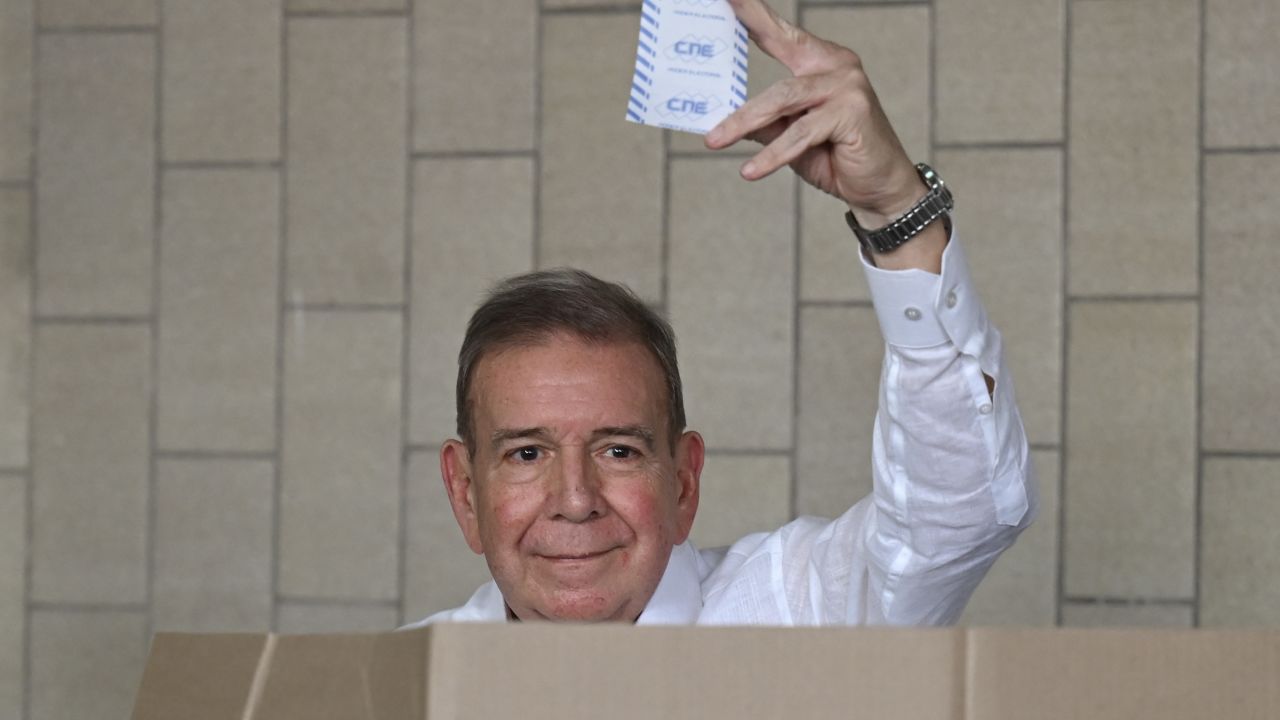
column 544, row 671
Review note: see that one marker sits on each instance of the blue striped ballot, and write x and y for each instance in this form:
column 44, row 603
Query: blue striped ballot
column 691, row 65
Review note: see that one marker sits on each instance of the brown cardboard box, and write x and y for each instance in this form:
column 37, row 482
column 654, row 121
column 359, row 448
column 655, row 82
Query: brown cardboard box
column 544, row 671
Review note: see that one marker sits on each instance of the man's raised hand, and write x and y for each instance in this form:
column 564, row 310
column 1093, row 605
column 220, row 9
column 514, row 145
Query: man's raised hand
column 825, row 122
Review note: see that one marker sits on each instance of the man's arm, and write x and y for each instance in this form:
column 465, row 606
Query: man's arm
column 951, row 471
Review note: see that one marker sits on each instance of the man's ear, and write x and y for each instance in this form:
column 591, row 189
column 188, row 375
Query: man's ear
column 690, row 452
column 455, row 468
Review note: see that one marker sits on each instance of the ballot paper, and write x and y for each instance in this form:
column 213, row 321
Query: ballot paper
column 691, row 65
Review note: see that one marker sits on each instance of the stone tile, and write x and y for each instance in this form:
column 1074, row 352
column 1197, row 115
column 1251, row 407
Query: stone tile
column 742, row 494
column 17, row 30
column 13, row 554
column 90, row 457
column 601, row 177
column 841, row 351
column 1011, row 225
column 348, row 120
column 344, row 6
column 221, row 80
column 97, row 13
column 557, row 4
column 1241, row 329
column 213, row 545
column 441, row 572
column 15, row 325
column 339, row 514
column 1240, row 543
column 474, row 74
column 96, row 184
column 305, row 618
column 1241, row 95
column 86, row 664
column 829, row 266
column 1131, row 463
column 1098, row 615
column 731, row 273
column 893, row 44
column 1000, row 70
column 1133, row 147
column 762, row 71
column 1022, row 587
column 219, row 304
column 472, row 225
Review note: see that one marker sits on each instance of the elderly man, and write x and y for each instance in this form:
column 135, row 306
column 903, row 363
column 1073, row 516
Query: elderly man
column 574, row 474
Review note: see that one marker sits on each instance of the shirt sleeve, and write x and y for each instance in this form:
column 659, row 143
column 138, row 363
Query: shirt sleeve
column 953, row 484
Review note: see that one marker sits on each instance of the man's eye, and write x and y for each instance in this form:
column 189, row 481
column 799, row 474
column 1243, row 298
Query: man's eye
column 620, row 452
column 527, row 454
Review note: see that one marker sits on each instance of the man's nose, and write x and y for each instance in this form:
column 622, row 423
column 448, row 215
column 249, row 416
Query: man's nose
column 576, row 495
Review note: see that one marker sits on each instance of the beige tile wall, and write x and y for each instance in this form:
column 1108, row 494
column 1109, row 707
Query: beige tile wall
column 239, row 242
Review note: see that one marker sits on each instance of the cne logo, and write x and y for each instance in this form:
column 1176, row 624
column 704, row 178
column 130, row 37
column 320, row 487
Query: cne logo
column 688, row 106
column 694, row 49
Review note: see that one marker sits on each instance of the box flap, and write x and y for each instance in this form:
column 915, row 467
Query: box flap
column 198, row 677
column 343, row 677
column 543, row 671
column 1123, row 674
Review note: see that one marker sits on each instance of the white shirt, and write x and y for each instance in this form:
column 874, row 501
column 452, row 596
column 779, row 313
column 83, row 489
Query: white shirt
column 952, row 488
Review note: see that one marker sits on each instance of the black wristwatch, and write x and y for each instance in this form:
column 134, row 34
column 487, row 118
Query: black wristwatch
column 935, row 204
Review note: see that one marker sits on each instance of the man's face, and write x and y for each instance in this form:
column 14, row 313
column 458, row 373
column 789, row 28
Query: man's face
column 573, row 492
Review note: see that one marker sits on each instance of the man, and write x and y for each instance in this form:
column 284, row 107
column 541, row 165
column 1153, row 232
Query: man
column 574, row 474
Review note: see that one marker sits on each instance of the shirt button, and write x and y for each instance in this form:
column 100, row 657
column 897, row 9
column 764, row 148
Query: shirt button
column 985, row 408
column 952, row 299
column 912, row 314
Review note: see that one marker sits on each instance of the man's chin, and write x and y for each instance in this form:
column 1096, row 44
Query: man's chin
column 583, row 607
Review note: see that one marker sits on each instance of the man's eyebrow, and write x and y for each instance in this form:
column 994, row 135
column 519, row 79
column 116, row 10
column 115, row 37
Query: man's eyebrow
column 635, row 431
column 502, row 435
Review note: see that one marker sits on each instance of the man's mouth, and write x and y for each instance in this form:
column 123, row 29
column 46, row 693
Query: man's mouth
column 575, row 556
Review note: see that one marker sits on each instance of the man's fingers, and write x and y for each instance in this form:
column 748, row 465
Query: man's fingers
column 781, row 99
column 791, row 144
column 773, row 34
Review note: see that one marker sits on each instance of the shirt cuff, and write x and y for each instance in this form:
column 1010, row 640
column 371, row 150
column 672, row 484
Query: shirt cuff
column 918, row 309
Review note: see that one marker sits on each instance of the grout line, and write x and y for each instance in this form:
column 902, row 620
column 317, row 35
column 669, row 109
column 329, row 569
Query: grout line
column 345, row 307
column 750, row 452
column 817, row 4
column 1065, row 310
column 406, row 335
column 797, row 328
column 1198, row 490
column 282, row 276
column 1045, row 447
column 1241, row 454
column 1127, row 602
column 1241, row 150
column 664, row 251
column 97, row 29
column 14, row 471
column 212, row 455
column 1000, row 145
column 535, row 250
column 836, row 303
column 470, row 154
column 335, row 602
column 33, row 245
column 92, row 319
column 932, row 65
column 220, row 164
column 87, row 607
column 345, row 14
column 414, row 448
column 1170, row 298
column 157, row 221
column 16, row 184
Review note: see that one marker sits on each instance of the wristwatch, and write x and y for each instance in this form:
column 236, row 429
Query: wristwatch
column 935, row 204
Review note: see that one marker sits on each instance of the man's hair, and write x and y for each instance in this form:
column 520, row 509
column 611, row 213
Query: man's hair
column 527, row 309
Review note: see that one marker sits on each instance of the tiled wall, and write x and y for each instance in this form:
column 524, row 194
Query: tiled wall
column 239, row 241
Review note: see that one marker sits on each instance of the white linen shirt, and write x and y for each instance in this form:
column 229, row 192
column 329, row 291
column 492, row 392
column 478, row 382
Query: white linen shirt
column 952, row 488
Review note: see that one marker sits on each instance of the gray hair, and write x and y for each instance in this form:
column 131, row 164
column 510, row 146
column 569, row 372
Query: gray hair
column 526, row 309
